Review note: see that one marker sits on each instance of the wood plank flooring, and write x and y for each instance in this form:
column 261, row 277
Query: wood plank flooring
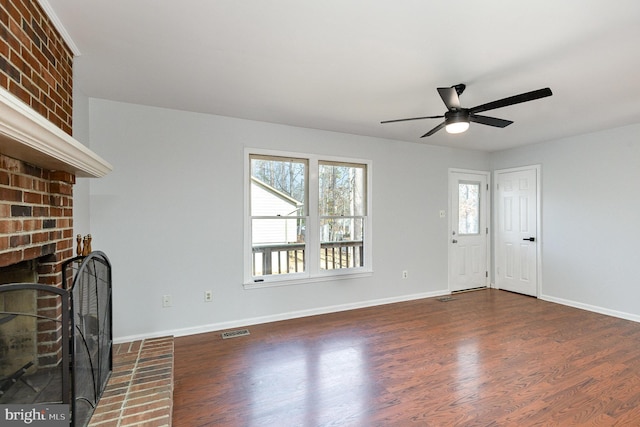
column 486, row 358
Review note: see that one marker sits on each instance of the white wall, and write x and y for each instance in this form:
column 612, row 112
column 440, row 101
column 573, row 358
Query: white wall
column 170, row 218
column 81, row 220
column 590, row 218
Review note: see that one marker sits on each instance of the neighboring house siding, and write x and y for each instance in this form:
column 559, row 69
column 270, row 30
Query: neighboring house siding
column 268, row 202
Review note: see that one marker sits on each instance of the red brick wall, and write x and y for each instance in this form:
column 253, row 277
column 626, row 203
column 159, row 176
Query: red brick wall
column 35, row 62
column 36, row 220
column 36, row 217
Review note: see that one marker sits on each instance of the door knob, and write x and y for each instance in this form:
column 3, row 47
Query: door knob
column 531, row 239
column 454, row 241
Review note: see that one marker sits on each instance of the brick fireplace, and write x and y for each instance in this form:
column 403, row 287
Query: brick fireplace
column 35, row 239
column 36, row 191
column 39, row 164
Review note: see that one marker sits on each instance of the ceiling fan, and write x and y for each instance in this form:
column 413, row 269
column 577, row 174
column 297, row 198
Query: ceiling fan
column 457, row 119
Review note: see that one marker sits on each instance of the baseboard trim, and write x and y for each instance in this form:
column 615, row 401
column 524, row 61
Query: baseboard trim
column 277, row 317
column 593, row 308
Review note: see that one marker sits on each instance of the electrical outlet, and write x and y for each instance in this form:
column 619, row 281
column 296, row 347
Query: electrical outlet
column 166, row 301
column 208, row 296
column 405, row 274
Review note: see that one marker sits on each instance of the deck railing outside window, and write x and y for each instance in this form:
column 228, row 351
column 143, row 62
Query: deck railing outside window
column 290, row 258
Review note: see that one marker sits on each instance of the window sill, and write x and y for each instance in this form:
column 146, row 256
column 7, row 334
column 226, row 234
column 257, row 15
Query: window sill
column 306, row 280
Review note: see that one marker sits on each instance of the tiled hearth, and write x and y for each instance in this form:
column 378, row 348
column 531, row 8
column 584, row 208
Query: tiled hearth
column 140, row 390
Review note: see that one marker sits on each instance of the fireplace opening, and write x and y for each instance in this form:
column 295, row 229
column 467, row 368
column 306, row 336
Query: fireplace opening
column 32, row 350
column 55, row 343
column 27, row 370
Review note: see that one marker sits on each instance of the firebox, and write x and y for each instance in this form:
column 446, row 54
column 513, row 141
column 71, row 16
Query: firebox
column 55, row 343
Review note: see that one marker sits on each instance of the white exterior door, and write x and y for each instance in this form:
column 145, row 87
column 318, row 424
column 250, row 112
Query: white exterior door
column 517, row 245
column 468, row 231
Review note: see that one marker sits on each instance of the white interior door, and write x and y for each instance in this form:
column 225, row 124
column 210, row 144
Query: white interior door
column 468, row 232
column 517, row 230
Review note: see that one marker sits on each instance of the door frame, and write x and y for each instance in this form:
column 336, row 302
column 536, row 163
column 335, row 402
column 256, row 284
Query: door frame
column 486, row 209
column 538, row 169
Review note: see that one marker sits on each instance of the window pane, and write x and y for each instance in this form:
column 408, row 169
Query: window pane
column 278, row 186
column 278, row 190
column 468, row 208
column 277, row 246
column 342, row 189
column 341, row 243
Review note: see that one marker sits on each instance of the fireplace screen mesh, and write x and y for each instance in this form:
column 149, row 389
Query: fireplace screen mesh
column 91, row 308
column 92, row 332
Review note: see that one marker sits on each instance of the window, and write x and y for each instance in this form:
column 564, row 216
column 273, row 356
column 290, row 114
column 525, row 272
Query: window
column 342, row 209
column 468, row 207
column 307, row 217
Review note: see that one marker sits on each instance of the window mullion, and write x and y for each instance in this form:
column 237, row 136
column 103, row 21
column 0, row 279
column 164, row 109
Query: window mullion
column 313, row 229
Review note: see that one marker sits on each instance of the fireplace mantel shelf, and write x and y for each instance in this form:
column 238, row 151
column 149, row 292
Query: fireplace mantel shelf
column 28, row 136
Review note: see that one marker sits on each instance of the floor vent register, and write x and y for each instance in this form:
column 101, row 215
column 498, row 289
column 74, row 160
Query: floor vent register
column 234, row 334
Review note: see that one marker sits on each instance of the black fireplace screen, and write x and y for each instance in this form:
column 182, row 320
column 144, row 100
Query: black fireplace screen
column 92, row 334
column 55, row 344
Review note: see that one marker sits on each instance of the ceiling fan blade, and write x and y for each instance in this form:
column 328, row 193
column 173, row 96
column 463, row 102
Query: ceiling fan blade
column 449, row 96
column 412, row 118
column 516, row 99
column 435, row 129
column 491, row 121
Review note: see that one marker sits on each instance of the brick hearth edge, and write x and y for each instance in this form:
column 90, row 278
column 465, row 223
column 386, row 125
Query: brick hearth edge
column 140, row 390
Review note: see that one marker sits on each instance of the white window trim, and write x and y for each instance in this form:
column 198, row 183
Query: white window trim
column 313, row 274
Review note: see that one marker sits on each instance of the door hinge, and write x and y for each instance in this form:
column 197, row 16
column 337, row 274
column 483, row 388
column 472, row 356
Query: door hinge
column 486, row 230
column 486, row 274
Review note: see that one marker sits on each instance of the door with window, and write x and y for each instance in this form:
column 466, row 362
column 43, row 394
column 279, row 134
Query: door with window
column 517, row 245
column 468, row 231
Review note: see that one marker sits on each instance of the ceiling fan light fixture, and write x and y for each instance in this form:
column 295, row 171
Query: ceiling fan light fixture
column 457, row 121
column 457, row 127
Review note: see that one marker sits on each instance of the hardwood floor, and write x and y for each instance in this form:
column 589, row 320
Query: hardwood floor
column 487, row 358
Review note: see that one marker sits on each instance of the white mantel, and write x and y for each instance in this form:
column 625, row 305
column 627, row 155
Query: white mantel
column 28, row 136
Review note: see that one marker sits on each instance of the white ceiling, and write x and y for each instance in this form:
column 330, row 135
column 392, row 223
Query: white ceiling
column 345, row 65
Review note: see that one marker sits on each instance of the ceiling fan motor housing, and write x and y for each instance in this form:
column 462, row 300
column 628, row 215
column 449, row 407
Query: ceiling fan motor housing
column 455, row 116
